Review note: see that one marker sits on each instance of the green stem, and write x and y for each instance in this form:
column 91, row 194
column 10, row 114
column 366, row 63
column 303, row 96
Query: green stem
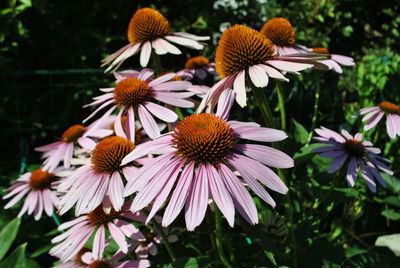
column 263, row 105
column 315, row 113
column 157, row 62
column 57, row 221
column 218, row 239
column 266, row 113
column 281, row 103
column 168, row 246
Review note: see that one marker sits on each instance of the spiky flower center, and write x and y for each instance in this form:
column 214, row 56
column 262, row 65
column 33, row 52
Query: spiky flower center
column 239, row 48
column 78, row 256
column 203, row 138
column 73, row 133
column 138, row 136
column 108, row 154
column 196, row 62
column 354, row 148
column 131, row 92
column 147, row 24
column 41, row 179
column 389, row 107
column 280, row 32
column 100, row 264
column 98, row 217
column 321, row 50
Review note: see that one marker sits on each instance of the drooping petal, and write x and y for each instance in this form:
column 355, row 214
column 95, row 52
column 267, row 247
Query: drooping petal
column 148, row 122
column 145, row 54
column 161, row 112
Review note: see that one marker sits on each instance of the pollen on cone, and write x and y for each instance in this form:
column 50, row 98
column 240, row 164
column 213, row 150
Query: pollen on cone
column 280, row 31
column 241, row 47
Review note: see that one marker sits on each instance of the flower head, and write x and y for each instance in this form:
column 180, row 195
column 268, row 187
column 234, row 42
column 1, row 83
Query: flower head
column 360, row 155
column 38, row 186
column 149, row 29
column 374, row 114
column 197, row 66
column 243, row 51
column 90, row 184
column 97, row 222
column 280, row 31
column 136, row 92
column 201, row 155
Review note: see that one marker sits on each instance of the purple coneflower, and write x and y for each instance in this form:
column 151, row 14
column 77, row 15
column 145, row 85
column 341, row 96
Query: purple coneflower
column 360, row 155
column 38, row 185
column 153, row 238
column 243, row 51
column 98, row 222
column 375, row 114
column 63, row 150
column 88, row 185
column 149, row 29
column 136, row 93
column 334, row 60
column 201, row 155
column 197, row 66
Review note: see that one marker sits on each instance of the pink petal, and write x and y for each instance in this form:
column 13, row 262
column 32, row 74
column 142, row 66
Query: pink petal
column 258, row 76
column 184, row 42
column 118, row 237
column 162, row 79
column 266, row 155
column 259, row 134
column 172, row 86
column 118, row 126
column 145, row 54
column 115, row 190
column 99, row 243
column 225, row 103
column 145, row 73
column 289, row 66
column 197, row 201
column 179, row 195
column 161, row 112
column 391, row 127
column 148, row 122
column 239, row 87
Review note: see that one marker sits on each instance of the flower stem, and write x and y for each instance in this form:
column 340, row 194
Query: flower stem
column 168, row 246
column 157, row 62
column 262, row 103
column 281, row 103
column 315, row 113
column 218, row 239
column 266, row 113
column 57, row 221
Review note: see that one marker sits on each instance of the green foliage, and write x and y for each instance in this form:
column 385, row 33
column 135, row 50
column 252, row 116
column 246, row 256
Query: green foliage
column 7, row 236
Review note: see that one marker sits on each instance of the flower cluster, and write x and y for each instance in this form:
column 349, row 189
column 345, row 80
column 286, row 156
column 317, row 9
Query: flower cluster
column 120, row 170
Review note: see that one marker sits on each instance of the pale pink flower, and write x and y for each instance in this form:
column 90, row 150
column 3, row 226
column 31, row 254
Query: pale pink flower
column 243, row 51
column 360, row 155
column 63, row 150
column 148, row 29
column 89, row 184
column 38, row 187
column 97, row 222
column 137, row 92
column 197, row 66
column 201, row 156
column 375, row 114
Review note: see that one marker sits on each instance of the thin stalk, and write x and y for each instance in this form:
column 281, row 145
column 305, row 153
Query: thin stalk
column 281, row 104
column 157, row 62
column 315, row 113
column 57, row 221
column 266, row 113
column 263, row 105
column 168, row 246
column 218, row 239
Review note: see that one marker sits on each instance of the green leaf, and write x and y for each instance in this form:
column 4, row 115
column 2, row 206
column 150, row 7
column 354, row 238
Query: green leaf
column 7, row 236
column 16, row 259
column 350, row 192
column 300, row 133
column 392, row 200
column 393, row 182
column 391, row 214
column 183, row 262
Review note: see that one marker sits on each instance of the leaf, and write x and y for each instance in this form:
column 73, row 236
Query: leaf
column 300, row 133
column 185, row 262
column 7, row 236
column 392, row 200
column 393, row 182
column 16, row 259
column 349, row 192
column 371, row 260
column 391, row 214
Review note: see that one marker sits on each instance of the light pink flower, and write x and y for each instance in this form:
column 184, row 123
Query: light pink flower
column 243, row 51
column 197, row 66
column 63, row 150
column 97, row 222
column 360, row 155
column 88, row 185
column 149, row 29
column 375, row 114
column 201, row 155
column 135, row 92
column 38, row 186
